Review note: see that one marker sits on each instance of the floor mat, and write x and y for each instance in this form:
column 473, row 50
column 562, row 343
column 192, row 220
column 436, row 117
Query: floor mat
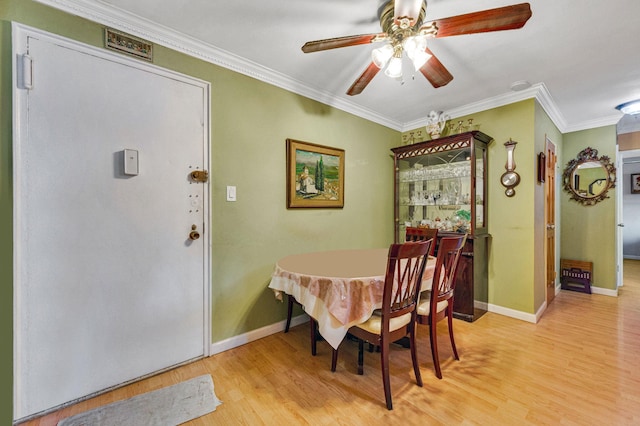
column 172, row 405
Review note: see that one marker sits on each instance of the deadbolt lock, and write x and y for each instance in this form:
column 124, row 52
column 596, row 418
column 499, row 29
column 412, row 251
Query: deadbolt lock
column 199, row 175
column 194, row 234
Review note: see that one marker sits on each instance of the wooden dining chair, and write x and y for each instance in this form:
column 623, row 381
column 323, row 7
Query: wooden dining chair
column 421, row 234
column 397, row 317
column 313, row 326
column 437, row 304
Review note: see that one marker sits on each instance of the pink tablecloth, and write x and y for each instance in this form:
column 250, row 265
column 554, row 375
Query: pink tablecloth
column 339, row 288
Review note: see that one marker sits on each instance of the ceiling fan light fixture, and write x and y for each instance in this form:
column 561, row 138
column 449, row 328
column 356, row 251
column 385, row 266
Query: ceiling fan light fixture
column 414, row 44
column 381, row 55
column 630, row 108
column 394, row 70
column 404, row 20
column 416, row 50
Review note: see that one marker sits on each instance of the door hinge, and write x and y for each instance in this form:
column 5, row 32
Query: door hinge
column 25, row 73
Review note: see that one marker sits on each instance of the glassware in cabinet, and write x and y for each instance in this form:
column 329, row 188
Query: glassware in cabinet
column 442, row 184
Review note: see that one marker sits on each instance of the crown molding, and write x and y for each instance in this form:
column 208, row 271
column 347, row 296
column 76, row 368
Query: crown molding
column 538, row 92
column 610, row 120
column 109, row 15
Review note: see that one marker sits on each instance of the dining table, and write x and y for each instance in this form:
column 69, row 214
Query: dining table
column 337, row 288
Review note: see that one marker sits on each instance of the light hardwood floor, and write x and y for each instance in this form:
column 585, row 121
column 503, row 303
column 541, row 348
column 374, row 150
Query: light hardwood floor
column 580, row 365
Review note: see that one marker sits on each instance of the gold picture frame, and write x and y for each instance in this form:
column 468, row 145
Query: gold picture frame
column 315, row 175
column 128, row 44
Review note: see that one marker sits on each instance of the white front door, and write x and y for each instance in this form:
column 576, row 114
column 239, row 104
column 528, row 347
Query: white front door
column 108, row 285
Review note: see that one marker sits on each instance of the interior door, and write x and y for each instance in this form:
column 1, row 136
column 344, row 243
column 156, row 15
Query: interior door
column 550, row 218
column 109, row 287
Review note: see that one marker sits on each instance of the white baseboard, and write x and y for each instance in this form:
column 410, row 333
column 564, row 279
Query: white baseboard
column 540, row 311
column 477, row 304
column 235, row 341
column 604, row 291
column 533, row 318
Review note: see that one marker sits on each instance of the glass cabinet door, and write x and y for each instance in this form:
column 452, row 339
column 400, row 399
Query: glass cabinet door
column 442, row 184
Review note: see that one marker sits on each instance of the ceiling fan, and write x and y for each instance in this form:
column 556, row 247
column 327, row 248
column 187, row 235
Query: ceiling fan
column 404, row 30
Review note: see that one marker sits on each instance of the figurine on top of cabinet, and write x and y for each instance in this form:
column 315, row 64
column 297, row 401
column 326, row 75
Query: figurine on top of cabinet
column 435, row 123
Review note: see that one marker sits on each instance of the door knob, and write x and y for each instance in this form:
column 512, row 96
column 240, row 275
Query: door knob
column 194, row 234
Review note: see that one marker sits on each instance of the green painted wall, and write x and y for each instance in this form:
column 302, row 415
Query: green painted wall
column 511, row 220
column 589, row 232
column 516, row 276
column 252, row 233
column 250, row 122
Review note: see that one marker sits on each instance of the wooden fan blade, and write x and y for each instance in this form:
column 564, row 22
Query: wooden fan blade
column 358, row 86
column 499, row 19
column 334, row 43
column 435, row 72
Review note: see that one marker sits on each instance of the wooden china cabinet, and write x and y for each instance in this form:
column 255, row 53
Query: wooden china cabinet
column 442, row 183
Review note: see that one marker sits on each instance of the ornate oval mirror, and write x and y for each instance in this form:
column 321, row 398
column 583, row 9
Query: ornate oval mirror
column 588, row 178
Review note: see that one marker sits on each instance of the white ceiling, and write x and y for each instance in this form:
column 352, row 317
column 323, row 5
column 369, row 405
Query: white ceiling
column 580, row 55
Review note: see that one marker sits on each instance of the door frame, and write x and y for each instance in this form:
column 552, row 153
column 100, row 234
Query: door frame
column 550, row 167
column 20, row 35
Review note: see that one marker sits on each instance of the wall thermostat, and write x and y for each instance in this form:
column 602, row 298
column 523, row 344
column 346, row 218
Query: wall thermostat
column 130, row 159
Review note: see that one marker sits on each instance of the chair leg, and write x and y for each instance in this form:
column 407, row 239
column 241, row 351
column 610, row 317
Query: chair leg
column 450, row 323
column 360, row 357
column 312, row 332
column 384, row 364
column 433, row 339
column 414, row 355
column 289, row 312
column 334, row 360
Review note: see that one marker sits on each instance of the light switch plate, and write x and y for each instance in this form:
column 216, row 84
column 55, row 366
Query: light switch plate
column 231, row 193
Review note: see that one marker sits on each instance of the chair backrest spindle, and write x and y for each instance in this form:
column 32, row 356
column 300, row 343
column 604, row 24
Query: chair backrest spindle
column 444, row 280
column 406, row 265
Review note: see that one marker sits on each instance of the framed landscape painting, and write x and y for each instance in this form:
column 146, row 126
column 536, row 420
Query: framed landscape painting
column 315, row 175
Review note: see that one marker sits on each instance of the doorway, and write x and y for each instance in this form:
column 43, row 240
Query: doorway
column 108, row 285
column 628, row 206
column 627, row 203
